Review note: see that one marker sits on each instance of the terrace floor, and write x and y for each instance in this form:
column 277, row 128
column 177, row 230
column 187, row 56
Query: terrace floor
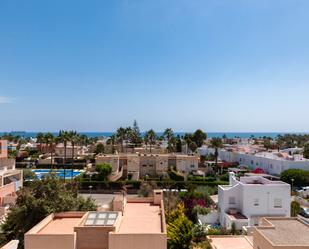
column 141, row 218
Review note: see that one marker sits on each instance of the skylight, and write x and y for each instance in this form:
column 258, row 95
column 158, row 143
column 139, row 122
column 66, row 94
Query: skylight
column 101, row 219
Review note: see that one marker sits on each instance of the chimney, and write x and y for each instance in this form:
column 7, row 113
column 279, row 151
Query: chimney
column 231, row 177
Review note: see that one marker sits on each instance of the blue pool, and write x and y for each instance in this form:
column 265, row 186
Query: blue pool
column 60, row 172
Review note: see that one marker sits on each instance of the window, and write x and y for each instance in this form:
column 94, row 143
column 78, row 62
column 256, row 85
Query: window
column 232, row 200
column 252, row 162
column 256, row 202
column 277, row 203
column 192, row 166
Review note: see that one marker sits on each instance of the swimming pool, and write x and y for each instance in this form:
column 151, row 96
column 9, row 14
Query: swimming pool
column 40, row 173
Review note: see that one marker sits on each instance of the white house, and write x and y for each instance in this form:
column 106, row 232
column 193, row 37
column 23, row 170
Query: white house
column 246, row 200
column 273, row 163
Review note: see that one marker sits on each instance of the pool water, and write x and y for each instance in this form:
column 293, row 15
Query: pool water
column 40, row 173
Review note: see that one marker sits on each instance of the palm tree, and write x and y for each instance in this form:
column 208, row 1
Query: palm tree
column 128, row 135
column 73, row 138
column 50, row 141
column 111, row 141
column 168, row 135
column 151, row 138
column 121, row 136
column 64, row 138
column 216, row 143
column 40, row 139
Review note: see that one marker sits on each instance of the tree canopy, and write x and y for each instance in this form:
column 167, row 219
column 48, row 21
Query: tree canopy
column 301, row 177
column 179, row 229
column 38, row 200
column 306, row 151
column 104, row 170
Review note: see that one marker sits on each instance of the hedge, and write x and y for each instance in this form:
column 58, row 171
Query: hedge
column 136, row 184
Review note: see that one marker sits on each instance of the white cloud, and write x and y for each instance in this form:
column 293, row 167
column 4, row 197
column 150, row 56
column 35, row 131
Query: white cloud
column 6, row 100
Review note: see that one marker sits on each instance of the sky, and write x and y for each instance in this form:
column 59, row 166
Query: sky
column 95, row 65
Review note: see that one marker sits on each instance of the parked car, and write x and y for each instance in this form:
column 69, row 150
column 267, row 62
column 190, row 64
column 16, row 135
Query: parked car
column 304, row 212
column 303, row 192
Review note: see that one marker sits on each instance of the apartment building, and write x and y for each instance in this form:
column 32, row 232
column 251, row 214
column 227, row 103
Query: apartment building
column 273, row 233
column 11, row 180
column 139, row 165
column 134, row 223
column 271, row 162
column 78, row 150
column 246, row 200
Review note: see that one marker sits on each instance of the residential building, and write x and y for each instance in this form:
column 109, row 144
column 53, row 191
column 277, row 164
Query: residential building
column 134, row 223
column 138, row 165
column 11, row 180
column 78, row 150
column 274, row 233
column 273, row 162
column 246, row 200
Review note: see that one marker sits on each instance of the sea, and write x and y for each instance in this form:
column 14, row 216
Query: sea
column 27, row 134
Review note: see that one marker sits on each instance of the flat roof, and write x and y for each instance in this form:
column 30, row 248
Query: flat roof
column 60, row 225
column 231, row 242
column 286, row 232
column 141, row 218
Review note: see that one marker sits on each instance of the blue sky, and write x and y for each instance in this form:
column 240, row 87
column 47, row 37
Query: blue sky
column 95, row 65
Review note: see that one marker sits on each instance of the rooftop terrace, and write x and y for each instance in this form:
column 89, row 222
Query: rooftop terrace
column 60, row 225
column 231, row 242
column 141, row 218
column 286, row 231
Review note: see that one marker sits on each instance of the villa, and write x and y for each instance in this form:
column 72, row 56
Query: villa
column 244, row 201
column 11, row 180
column 134, row 223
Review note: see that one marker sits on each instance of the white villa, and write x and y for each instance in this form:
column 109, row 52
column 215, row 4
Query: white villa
column 246, row 200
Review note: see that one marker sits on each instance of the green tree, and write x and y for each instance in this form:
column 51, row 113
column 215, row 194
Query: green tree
column 112, row 141
column 63, row 137
column 74, row 139
column 267, row 143
column 51, row 142
column 199, row 137
column 301, row 177
column 306, row 151
column 121, row 135
column 168, row 135
column 295, row 208
column 135, row 135
column 216, row 143
column 38, row 200
column 178, row 144
column 150, row 138
column 104, row 170
column 99, row 149
column 29, row 175
column 179, row 229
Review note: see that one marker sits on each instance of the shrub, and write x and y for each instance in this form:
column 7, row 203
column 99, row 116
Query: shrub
column 104, row 170
column 198, row 233
column 175, row 176
column 179, row 229
column 295, row 208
